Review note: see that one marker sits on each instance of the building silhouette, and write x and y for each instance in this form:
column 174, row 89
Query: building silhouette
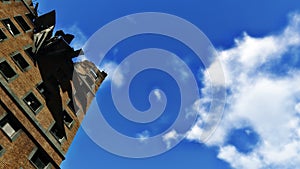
column 44, row 94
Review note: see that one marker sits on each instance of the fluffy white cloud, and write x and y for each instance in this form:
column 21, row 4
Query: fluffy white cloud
column 238, row 160
column 169, row 137
column 114, row 75
column 143, row 137
column 297, row 108
column 258, row 98
column 157, row 94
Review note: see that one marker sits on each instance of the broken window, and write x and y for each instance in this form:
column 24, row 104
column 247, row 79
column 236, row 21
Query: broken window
column 32, row 102
column 29, row 52
column 30, row 16
column 10, row 27
column 42, row 89
column 22, row 23
column 2, row 36
column 73, row 106
column 40, row 160
column 20, row 61
column 9, row 126
column 7, row 71
column 57, row 133
column 67, row 119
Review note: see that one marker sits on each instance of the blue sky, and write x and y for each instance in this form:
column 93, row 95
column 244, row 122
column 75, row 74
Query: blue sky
column 258, row 44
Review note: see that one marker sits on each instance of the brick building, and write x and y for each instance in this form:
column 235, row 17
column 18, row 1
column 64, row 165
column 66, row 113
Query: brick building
column 40, row 107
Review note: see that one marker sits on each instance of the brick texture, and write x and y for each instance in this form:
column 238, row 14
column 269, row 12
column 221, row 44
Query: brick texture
column 35, row 128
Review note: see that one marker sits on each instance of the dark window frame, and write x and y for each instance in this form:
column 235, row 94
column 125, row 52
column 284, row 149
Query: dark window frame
column 11, row 122
column 30, row 17
column 19, row 62
column 75, row 109
column 3, row 36
column 8, row 79
column 13, row 30
column 40, row 87
column 67, row 116
column 29, row 53
column 36, row 156
column 53, row 129
column 37, row 110
column 22, row 23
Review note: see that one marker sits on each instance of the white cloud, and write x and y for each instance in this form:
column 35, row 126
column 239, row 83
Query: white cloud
column 113, row 75
column 297, row 108
column 214, row 74
column 195, row 133
column 258, row 98
column 238, row 160
column 169, row 137
column 157, row 94
column 143, row 137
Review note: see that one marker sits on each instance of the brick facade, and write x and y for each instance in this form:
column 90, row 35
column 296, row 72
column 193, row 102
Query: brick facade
column 26, row 139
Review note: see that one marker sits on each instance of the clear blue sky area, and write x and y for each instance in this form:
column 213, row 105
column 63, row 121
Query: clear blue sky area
column 221, row 20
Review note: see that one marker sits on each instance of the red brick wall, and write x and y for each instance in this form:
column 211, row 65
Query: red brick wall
column 17, row 152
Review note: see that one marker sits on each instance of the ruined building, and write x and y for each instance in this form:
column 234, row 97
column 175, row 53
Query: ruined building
column 44, row 94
